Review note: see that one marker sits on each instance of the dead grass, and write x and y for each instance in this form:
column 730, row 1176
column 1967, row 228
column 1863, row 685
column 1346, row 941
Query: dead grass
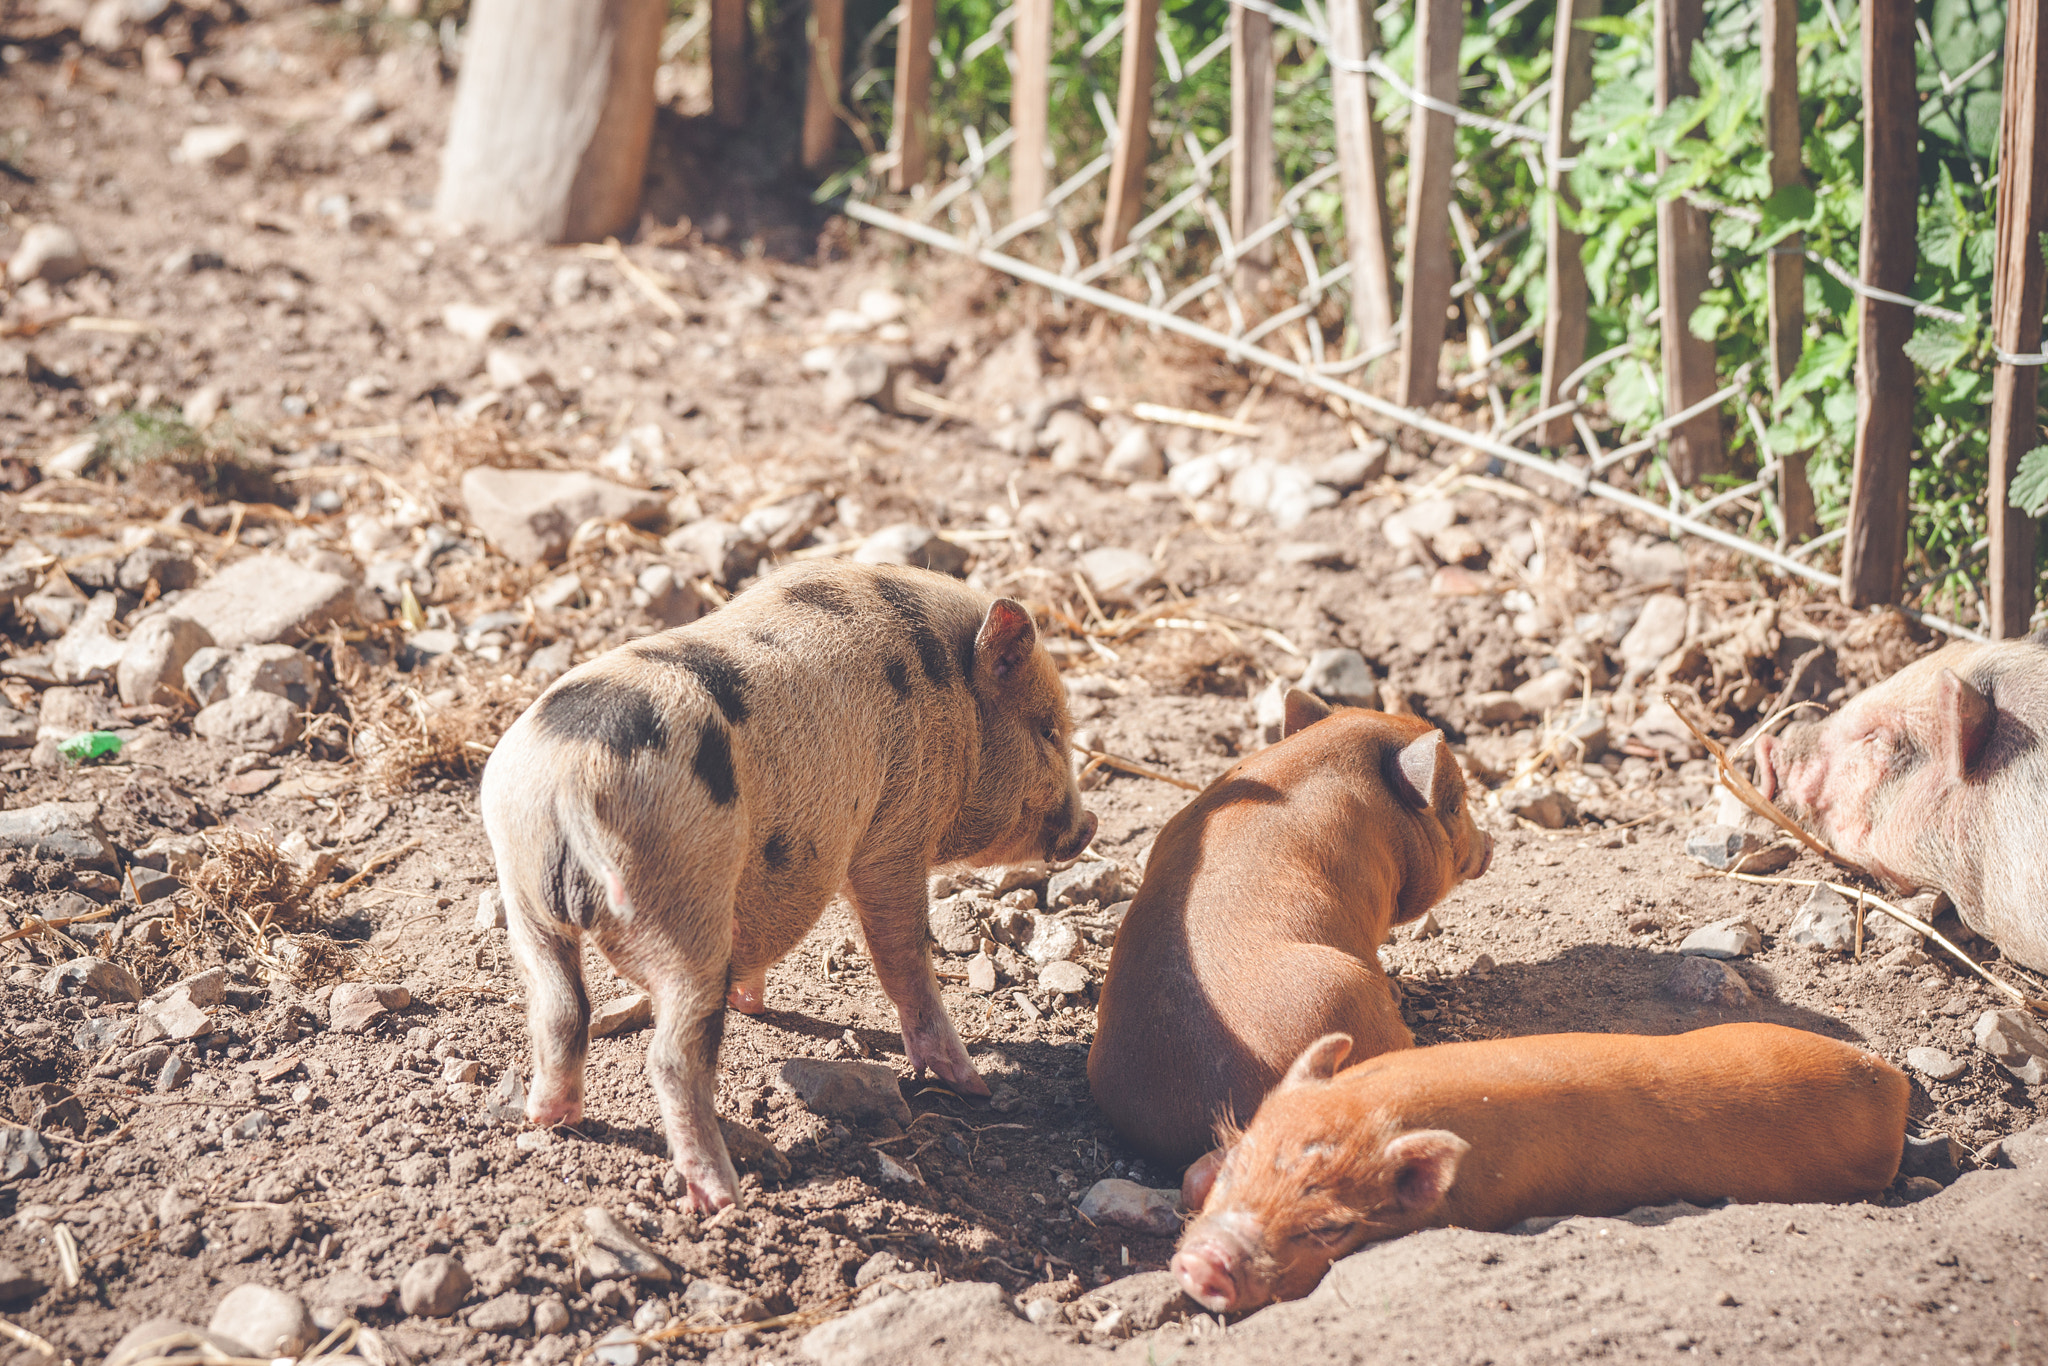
column 404, row 741
column 252, row 897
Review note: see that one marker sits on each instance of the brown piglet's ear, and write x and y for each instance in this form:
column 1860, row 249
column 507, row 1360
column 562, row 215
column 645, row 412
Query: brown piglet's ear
column 1006, row 637
column 1421, row 1167
column 1319, row 1061
column 1963, row 721
column 1414, row 774
column 1200, row 1178
column 1302, row 711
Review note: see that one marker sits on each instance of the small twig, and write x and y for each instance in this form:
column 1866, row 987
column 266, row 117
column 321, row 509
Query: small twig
column 1097, row 756
column 69, row 1265
column 387, row 857
column 16, row 1333
column 35, row 924
column 1182, row 417
column 1747, row 794
column 959, row 412
column 638, row 278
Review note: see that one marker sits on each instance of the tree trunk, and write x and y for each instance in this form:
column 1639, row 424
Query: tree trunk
column 552, row 117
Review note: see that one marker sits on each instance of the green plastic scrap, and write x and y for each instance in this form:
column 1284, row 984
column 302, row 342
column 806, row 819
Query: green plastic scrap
column 88, row 745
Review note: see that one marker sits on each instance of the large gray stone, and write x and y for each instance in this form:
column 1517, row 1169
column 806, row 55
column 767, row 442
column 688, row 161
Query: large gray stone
column 1826, row 923
column 1658, row 630
column 529, row 515
column 1127, row 1204
column 2017, row 1041
column 1706, row 982
column 907, row 543
column 268, row 598
column 59, row 832
column 1341, row 676
column 433, row 1287
column 96, row 979
column 152, row 667
column 1733, row 938
column 1098, row 880
column 858, row 1092
column 949, row 1322
column 258, row 721
column 267, row 1322
column 616, row 1252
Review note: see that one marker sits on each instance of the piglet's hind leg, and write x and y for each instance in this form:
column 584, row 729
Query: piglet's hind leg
column 893, row 911
column 557, row 1015
column 682, row 1062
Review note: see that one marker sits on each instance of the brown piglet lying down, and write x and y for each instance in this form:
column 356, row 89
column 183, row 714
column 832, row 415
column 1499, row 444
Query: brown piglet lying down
column 1485, row 1135
column 691, row 801
column 1258, row 926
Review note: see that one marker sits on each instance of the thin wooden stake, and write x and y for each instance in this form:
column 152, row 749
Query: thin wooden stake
column 1030, row 103
column 1251, row 124
column 1564, row 316
column 1684, row 255
column 1786, row 273
column 729, row 62
column 1432, row 149
column 913, row 93
column 1133, row 123
column 2017, row 277
column 1362, row 175
column 1874, row 554
column 822, row 101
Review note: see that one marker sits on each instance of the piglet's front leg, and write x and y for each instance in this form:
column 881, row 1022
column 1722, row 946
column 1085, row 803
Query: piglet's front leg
column 893, row 908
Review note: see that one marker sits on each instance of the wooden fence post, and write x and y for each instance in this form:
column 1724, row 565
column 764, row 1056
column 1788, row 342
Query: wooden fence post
column 827, row 67
column 1251, row 125
column 1564, row 310
column 729, row 62
column 1786, row 271
column 1133, row 123
column 1432, row 148
column 1684, row 255
column 1030, row 104
column 2016, row 300
column 1362, row 174
column 913, row 93
column 1874, row 555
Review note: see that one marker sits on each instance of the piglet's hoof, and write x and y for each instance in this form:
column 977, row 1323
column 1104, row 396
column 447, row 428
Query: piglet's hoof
column 749, row 996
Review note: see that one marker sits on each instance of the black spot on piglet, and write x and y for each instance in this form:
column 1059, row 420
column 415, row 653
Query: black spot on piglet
column 716, row 671
column 616, row 715
column 713, row 763
column 899, row 679
column 775, row 853
column 825, row 597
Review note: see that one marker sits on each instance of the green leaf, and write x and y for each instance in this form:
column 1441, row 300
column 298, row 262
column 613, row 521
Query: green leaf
column 1789, row 209
column 2029, row 491
column 1937, row 344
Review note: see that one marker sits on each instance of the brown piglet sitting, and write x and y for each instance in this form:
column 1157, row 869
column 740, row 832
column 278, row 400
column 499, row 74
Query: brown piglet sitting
column 1258, row 926
column 1485, row 1135
column 1933, row 780
column 691, row 801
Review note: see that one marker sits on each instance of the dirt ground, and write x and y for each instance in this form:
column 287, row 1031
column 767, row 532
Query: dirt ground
column 296, row 308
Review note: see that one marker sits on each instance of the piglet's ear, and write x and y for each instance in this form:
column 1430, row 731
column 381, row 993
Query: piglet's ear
column 1319, row 1061
column 1302, row 710
column 1963, row 721
column 1414, row 770
column 1006, row 638
column 1200, row 1178
column 1421, row 1167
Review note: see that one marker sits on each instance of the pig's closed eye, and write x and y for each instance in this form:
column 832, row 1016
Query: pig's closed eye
column 1051, row 736
column 1333, row 1232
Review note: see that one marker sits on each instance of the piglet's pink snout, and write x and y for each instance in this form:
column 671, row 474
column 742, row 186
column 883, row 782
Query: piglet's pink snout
column 1207, row 1266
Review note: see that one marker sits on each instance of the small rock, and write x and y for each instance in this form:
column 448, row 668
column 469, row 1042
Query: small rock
column 178, row 1018
column 1658, row 631
column 894, row 1172
column 1064, row 978
column 361, row 105
column 1937, row 1157
column 355, row 1005
column 568, row 284
column 1341, row 676
column 2017, row 1041
column 1429, row 927
column 278, row 670
column 907, row 543
column 1543, row 806
column 1194, row 478
column 433, row 1286
column 1548, row 691
column 87, row 650
column 1098, row 880
column 1352, row 469
column 256, row 1124
column 1052, row 940
column 1127, row 1204
column 47, row 251
column 175, row 1072
column 1135, row 456
column 152, row 664
column 96, row 979
column 153, row 1339
column 904, row 1328
column 218, row 148
column 1269, row 712
column 1495, row 708
column 268, row 598
column 1648, row 560
column 729, row 553
column 981, row 974
column 1072, row 440
column 550, row 1315
column 1826, row 922
column 1117, row 576
column 2027, row 1149
column 460, row 1071
column 617, row 1253
column 22, row 1153
column 529, row 515
column 1706, row 981
column 476, row 323
column 507, row 1313
column 955, row 925
column 857, row 1092
column 58, row 832
column 1733, row 938
column 1148, row 1299
column 16, row 1284
column 260, row 722
column 204, row 406
column 1934, row 1064
column 671, row 601
column 622, row 1014
column 267, row 1322
column 1413, row 526
column 1312, row 554
column 490, row 909
column 857, row 373
column 783, row 526
column 1725, row 846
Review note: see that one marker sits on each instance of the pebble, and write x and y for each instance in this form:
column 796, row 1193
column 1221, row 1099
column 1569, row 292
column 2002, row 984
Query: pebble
column 1725, row 846
column 256, row 1124
column 219, row 148
column 144, row 1341
column 1195, row 477
column 550, row 1315
column 907, row 543
column 1127, row 1204
column 1706, row 981
column 857, row 1092
column 1935, row 1064
column 1341, row 676
column 1064, row 978
column 2017, row 1041
column 1542, row 806
column 529, row 515
column 432, row 1287
column 1733, row 938
column 981, row 974
column 729, row 553
column 617, row 1253
column 621, row 1015
column 955, row 924
column 1097, row 880
column 268, row 598
column 1414, row 525
column 1312, row 554
column 276, row 669
column 1495, row 708
column 58, row 832
column 1353, row 469
column 261, row 723
column 1117, row 575
column 903, row 1328
column 506, row 1313
column 1658, row 631
column 354, row 1006
column 461, row 1071
column 617, row 1348
column 1134, row 456
column 1937, row 1157
column 152, row 664
column 857, row 373
column 96, row 979
column 476, row 322
column 47, row 251
column 22, row 1153
column 671, row 601
column 267, row 1322
column 1072, row 440
column 1052, row 940
column 1269, row 712
column 88, row 650
column 1548, row 691
column 490, row 909
column 784, row 525
column 1826, row 922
